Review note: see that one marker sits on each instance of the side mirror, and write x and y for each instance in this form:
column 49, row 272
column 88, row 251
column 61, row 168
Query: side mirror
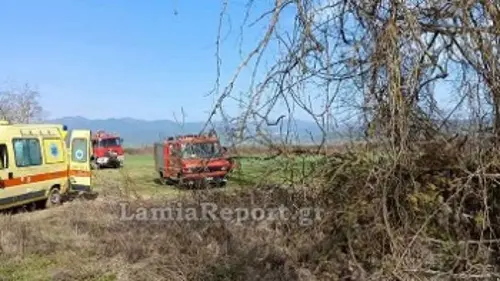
column 121, row 140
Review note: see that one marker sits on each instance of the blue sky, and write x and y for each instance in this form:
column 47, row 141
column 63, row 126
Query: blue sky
column 113, row 58
column 102, row 59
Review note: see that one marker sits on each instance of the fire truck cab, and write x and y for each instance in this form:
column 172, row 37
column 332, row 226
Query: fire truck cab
column 107, row 150
column 191, row 159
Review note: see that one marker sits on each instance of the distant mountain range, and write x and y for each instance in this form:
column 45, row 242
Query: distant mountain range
column 137, row 132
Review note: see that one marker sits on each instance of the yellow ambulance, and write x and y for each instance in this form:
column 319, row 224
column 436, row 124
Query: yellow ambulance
column 42, row 164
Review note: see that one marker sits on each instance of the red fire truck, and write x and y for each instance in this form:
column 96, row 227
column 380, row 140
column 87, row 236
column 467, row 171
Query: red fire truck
column 191, row 159
column 107, row 150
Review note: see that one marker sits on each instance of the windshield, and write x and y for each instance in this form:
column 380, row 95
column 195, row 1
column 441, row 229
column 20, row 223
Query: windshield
column 201, row 150
column 109, row 142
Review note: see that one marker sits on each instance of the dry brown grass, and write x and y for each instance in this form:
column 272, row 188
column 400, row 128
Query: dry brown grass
column 86, row 240
column 429, row 214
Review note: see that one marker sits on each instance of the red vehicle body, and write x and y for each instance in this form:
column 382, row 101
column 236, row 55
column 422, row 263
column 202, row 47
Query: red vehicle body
column 107, row 150
column 191, row 159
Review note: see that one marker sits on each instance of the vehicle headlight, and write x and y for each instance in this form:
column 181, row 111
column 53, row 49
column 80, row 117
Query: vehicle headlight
column 223, row 168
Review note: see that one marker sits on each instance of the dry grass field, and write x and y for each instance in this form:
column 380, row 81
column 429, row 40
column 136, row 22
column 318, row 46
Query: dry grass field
column 85, row 240
column 433, row 218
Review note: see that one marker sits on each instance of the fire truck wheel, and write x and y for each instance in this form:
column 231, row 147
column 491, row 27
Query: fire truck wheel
column 162, row 180
column 54, row 198
column 171, row 181
column 180, row 182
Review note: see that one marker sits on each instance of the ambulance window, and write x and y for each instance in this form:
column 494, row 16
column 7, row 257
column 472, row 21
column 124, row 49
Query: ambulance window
column 27, row 152
column 35, row 152
column 79, row 150
column 4, row 159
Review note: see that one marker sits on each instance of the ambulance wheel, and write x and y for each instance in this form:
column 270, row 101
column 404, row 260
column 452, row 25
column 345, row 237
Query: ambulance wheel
column 54, row 198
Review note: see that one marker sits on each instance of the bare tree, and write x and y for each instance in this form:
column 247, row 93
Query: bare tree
column 21, row 105
column 382, row 60
column 377, row 59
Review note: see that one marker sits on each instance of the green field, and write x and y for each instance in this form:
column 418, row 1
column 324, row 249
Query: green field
column 139, row 179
